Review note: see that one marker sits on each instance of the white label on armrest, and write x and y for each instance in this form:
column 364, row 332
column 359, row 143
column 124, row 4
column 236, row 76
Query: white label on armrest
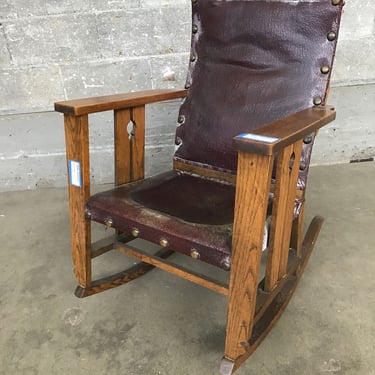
column 75, row 173
column 260, row 138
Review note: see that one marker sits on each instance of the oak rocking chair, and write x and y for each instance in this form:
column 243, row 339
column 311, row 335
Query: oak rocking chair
column 254, row 100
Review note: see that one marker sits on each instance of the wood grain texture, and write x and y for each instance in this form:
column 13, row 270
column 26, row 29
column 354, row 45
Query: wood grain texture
column 204, row 172
column 122, row 141
column 282, row 213
column 120, row 278
column 96, row 104
column 129, row 148
column 275, row 302
column 253, row 183
column 288, row 130
column 173, row 268
column 138, row 144
column 297, row 231
column 290, row 194
column 77, row 149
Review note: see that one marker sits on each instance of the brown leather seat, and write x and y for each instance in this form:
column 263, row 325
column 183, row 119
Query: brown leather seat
column 189, row 211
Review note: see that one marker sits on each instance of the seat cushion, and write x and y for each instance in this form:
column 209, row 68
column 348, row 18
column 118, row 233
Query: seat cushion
column 188, row 211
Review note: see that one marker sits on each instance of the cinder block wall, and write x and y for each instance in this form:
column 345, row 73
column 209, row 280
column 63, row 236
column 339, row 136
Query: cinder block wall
column 53, row 50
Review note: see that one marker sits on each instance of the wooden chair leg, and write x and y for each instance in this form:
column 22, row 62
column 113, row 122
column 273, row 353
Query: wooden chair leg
column 272, row 305
column 254, row 308
column 129, row 165
column 282, row 214
column 77, row 152
column 247, row 244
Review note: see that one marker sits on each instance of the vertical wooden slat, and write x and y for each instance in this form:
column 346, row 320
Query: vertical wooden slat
column 297, row 231
column 122, row 117
column 289, row 212
column 253, row 183
column 138, row 143
column 77, row 150
column 277, row 223
column 282, row 215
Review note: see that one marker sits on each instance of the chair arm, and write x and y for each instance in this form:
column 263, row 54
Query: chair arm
column 271, row 138
column 78, row 107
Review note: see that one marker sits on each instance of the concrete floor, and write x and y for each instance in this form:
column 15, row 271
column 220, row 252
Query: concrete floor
column 160, row 324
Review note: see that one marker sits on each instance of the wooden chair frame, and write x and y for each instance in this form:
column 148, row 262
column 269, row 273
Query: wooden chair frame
column 253, row 308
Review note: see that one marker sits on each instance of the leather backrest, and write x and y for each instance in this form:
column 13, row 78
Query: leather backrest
column 252, row 62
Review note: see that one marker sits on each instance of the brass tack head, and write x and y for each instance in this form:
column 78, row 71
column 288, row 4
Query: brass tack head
column 163, row 242
column 178, row 141
column 302, row 165
column 194, row 29
column 194, row 1
column 181, row 119
column 331, row 36
column 225, row 264
column 108, row 222
column 318, row 100
column 336, row 2
column 187, row 86
column 135, row 232
column 87, row 215
column 195, row 254
column 324, row 69
column 307, row 140
column 192, row 58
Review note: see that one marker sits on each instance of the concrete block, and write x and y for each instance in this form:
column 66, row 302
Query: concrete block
column 105, row 78
column 26, row 136
column 355, row 58
column 142, row 32
column 31, row 173
column 31, row 151
column 4, row 9
column 53, row 39
column 352, row 135
column 5, row 60
column 21, row 8
column 67, row 6
column 111, row 5
column 73, row 6
column 355, row 61
column 165, row 3
column 357, row 20
column 29, row 89
column 169, row 71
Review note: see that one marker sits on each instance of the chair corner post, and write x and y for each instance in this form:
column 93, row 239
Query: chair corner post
column 250, row 214
column 78, row 166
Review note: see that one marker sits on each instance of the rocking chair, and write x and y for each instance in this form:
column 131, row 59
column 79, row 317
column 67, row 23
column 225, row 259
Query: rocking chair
column 254, row 100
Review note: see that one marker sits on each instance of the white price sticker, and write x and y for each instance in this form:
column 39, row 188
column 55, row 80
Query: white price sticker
column 75, row 173
column 259, row 138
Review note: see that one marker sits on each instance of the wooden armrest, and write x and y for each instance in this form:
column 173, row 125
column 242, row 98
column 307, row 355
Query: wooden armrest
column 271, row 138
column 78, row 107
